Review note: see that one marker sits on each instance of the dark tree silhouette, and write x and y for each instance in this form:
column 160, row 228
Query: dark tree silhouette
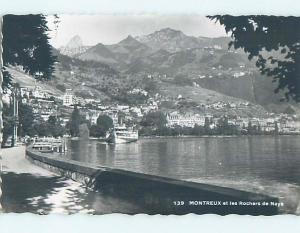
column 26, row 120
column 26, row 43
column 75, row 122
column 105, row 123
column 262, row 37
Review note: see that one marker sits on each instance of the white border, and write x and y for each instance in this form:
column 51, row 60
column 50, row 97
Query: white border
column 28, row 223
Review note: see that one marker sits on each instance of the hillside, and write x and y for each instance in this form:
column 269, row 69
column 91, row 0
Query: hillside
column 25, row 80
column 169, row 57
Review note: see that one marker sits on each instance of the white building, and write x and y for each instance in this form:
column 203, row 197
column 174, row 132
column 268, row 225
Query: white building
column 175, row 119
column 68, row 98
column 92, row 116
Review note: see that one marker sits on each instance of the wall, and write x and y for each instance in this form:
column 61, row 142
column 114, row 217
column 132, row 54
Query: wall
column 154, row 194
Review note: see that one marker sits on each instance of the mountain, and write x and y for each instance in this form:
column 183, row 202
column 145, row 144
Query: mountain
column 192, row 62
column 117, row 55
column 75, row 42
column 174, row 41
column 73, row 47
column 172, row 60
column 129, row 49
column 150, row 63
column 99, row 53
column 169, row 39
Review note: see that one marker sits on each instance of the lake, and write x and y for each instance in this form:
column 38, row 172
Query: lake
column 264, row 164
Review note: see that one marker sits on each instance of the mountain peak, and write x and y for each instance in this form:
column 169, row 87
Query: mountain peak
column 168, row 39
column 128, row 39
column 75, row 42
column 169, row 30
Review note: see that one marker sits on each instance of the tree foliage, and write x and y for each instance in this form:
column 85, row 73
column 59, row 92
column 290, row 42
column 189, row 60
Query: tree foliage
column 54, row 127
column 8, row 122
column 26, row 43
column 154, row 119
column 75, row 122
column 262, row 37
column 26, row 120
column 105, row 122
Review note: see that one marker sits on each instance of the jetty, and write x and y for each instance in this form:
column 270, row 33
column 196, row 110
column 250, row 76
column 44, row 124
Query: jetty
column 49, row 144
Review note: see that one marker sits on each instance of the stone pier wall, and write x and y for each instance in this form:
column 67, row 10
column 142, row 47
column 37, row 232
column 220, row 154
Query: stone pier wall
column 155, row 194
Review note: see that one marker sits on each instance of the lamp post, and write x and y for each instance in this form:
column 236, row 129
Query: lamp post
column 15, row 100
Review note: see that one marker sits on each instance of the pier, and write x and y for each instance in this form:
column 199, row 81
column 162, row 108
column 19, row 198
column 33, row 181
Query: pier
column 156, row 194
column 47, row 144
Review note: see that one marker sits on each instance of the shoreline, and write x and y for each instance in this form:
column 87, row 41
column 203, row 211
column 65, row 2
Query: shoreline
column 192, row 136
column 217, row 136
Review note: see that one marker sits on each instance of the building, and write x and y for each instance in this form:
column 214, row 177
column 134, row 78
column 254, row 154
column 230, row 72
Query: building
column 68, row 98
column 188, row 120
column 92, row 116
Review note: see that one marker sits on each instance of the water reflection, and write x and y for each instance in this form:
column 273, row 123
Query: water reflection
column 245, row 158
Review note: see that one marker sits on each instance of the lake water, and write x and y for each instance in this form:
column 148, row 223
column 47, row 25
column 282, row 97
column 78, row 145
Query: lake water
column 264, row 164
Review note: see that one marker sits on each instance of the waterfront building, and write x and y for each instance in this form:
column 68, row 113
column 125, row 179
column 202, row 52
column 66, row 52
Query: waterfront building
column 188, row 120
column 68, row 98
column 92, row 116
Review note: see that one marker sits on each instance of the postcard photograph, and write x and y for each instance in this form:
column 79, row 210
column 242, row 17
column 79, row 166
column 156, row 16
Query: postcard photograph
column 149, row 113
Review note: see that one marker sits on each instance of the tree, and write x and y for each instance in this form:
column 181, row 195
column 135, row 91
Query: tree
column 207, row 129
column 8, row 123
column 223, row 125
column 274, row 42
column 250, row 128
column 154, row 119
column 26, row 120
column 259, row 131
column 276, row 130
column 104, row 123
column 55, row 128
column 75, row 122
column 199, row 130
column 26, row 43
column 42, row 129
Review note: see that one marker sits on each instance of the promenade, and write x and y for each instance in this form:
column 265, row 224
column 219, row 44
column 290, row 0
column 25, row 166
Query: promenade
column 29, row 188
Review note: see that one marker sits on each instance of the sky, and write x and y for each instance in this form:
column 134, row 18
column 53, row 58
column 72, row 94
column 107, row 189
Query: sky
column 110, row 29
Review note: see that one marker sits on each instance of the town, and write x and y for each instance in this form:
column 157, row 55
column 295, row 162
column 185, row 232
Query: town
column 150, row 118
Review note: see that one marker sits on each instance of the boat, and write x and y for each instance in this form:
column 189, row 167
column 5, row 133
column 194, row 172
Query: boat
column 121, row 134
